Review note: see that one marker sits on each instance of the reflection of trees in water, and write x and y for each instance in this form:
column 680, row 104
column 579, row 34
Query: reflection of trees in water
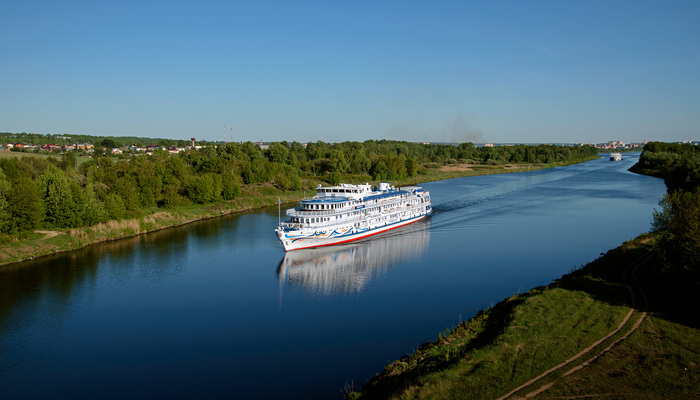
column 348, row 268
column 28, row 288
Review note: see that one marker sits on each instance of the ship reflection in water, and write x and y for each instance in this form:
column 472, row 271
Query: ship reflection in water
column 346, row 269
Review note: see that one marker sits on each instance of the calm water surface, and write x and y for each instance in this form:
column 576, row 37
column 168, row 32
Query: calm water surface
column 217, row 310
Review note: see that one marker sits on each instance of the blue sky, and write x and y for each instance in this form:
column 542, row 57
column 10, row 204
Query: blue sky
column 491, row 71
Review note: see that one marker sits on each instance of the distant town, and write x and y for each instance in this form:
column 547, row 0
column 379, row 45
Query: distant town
column 611, row 145
column 57, row 144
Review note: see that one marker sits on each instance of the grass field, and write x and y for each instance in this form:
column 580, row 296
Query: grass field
column 19, row 154
column 587, row 335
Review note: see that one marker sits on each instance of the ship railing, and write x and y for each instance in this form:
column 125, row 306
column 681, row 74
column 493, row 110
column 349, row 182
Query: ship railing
column 385, row 204
column 323, row 224
column 362, row 216
column 293, row 212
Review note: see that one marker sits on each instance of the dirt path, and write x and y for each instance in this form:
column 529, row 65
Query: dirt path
column 49, row 234
column 589, row 351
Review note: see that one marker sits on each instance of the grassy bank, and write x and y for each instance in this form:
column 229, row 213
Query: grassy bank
column 585, row 335
column 41, row 243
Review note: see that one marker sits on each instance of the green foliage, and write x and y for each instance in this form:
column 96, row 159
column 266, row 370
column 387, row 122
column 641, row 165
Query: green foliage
column 679, row 222
column 110, row 143
column 411, row 167
column 5, row 190
column 105, row 187
column 277, row 153
column 678, row 164
column 199, row 189
column 360, row 163
column 287, row 178
column 338, row 161
column 171, row 197
column 68, row 160
column 333, row 178
column 114, row 206
column 127, row 190
column 60, row 210
column 25, row 206
column 91, row 210
column 230, row 186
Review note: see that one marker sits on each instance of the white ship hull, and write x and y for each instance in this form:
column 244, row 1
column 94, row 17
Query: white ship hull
column 305, row 242
column 346, row 213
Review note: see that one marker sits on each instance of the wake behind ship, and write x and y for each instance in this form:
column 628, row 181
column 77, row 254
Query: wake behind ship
column 344, row 213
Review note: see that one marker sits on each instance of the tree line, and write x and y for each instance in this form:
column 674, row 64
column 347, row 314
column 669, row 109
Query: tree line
column 50, row 192
column 678, row 221
column 678, row 164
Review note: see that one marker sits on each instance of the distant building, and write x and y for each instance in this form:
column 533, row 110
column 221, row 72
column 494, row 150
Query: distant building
column 262, row 145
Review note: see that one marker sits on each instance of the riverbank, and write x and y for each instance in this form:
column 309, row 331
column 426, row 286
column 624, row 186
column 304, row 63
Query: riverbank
column 612, row 328
column 43, row 243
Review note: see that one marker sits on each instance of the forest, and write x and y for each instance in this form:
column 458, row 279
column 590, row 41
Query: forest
column 678, row 164
column 72, row 190
column 678, row 221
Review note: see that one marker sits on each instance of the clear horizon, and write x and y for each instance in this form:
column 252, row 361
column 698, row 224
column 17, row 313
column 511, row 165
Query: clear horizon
column 451, row 71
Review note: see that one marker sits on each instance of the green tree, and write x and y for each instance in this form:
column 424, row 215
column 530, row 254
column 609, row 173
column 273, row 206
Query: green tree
column 126, row 188
column 230, row 186
column 5, row 190
column 171, row 196
column 91, row 210
column 360, row 163
column 114, row 206
column 333, row 178
column 25, row 205
column 110, row 143
column 679, row 223
column 379, row 170
column 55, row 191
column 411, row 167
column 278, row 153
column 338, row 161
column 68, row 160
column 201, row 189
column 287, row 178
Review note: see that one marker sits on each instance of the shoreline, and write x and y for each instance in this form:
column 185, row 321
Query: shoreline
column 611, row 327
column 44, row 242
column 614, row 330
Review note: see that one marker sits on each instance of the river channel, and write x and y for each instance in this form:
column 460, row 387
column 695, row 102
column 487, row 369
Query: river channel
column 216, row 309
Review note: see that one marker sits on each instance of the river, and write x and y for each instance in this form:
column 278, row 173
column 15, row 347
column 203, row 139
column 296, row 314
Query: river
column 216, row 309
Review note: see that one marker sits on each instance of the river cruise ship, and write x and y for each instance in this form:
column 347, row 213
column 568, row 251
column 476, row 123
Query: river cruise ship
column 345, row 213
column 615, row 156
